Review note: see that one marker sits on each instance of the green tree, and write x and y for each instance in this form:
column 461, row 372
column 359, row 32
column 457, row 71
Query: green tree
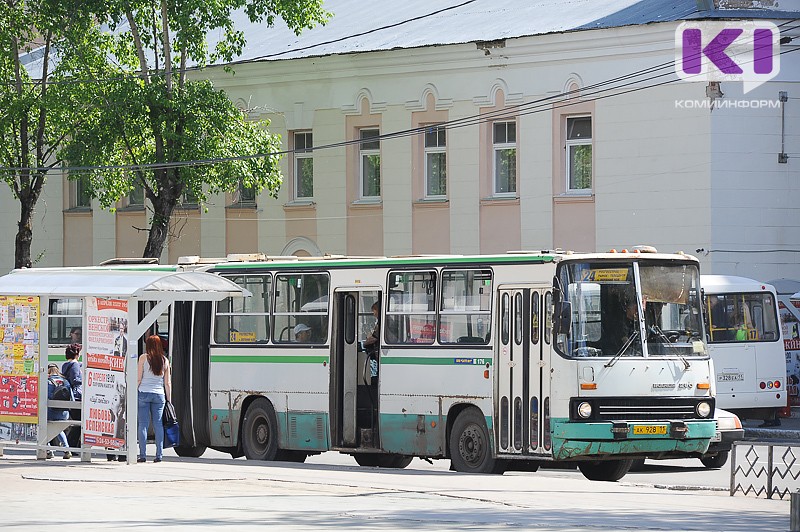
column 151, row 117
column 39, row 105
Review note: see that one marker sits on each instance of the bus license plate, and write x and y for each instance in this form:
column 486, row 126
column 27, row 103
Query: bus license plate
column 649, row 429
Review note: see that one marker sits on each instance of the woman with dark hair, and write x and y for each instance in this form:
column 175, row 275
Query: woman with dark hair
column 72, row 370
column 154, row 391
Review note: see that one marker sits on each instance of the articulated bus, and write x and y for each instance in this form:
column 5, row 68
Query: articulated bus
column 744, row 341
column 495, row 362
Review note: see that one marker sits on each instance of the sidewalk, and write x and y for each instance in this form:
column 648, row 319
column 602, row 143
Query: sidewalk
column 789, row 429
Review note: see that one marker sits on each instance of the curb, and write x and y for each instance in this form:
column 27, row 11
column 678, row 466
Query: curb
column 771, row 434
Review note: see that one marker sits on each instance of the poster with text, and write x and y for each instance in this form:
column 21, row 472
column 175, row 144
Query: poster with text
column 19, row 360
column 790, row 327
column 104, row 409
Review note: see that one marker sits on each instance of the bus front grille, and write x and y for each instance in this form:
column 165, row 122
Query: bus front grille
column 645, row 408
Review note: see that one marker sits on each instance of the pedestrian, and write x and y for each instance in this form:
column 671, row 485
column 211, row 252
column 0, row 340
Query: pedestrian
column 58, row 389
column 154, row 390
column 73, row 372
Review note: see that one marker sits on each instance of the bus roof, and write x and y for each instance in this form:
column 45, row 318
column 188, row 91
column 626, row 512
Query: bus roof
column 714, row 284
column 521, row 257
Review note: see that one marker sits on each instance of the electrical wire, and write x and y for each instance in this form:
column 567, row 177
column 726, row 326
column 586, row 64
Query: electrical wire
column 539, row 105
column 161, row 72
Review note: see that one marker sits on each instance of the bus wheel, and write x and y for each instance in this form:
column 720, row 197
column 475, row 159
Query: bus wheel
column 389, row 461
column 190, row 452
column 716, row 461
column 605, row 470
column 637, row 465
column 260, row 431
column 470, row 450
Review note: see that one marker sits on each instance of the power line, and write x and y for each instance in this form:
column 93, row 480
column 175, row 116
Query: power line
column 535, row 106
column 160, row 72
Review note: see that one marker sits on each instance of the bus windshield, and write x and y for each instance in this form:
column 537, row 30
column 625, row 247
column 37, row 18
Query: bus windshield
column 602, row 306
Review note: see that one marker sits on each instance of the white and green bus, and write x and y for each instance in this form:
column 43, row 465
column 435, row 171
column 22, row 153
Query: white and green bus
column 495, row 362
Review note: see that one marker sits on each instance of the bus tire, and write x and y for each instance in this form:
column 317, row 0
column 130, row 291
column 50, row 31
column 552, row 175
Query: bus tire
column 605, row 470
column 190, row 452
column 387, row 461
column 637, row 465
column 714, row 461
column 260, row 431
column 470, row 444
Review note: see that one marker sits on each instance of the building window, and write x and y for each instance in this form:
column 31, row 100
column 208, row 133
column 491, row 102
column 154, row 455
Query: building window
column 435, row 162
column 303, row 165
column 370, row 156
column 246, row 195
column 579, row 154
column 136, row 196
column 504, row 142
column 80, row 195
column 188, row 199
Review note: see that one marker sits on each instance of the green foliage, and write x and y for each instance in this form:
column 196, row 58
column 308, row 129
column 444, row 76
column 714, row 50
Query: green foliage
column 152, row 114
column 40, row 41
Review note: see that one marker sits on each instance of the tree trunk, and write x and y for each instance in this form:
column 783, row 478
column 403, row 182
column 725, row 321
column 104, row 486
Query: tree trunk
column 22, row 243
column 159, row 227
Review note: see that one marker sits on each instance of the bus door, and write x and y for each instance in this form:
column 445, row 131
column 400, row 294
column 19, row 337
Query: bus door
column 735, row 366
column 520, row 370
column 354, row 371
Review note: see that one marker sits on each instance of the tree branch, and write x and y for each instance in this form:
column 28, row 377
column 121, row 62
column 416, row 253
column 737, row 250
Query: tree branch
column 137, row 40
column 167, row 47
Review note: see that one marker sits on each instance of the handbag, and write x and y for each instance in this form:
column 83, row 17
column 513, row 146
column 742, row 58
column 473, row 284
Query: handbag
column 172, row 435
column 169, row 418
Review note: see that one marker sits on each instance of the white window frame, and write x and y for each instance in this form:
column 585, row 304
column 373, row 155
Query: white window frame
column 301, row 155
column 571, row 143
column 363, row 153
column 498, row 147
column 435, row 150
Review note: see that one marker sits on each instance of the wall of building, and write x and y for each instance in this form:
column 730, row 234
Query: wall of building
column 755, row 200
column 671, row 176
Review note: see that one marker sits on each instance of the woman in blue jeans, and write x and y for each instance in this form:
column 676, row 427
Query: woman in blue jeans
column 154, row 392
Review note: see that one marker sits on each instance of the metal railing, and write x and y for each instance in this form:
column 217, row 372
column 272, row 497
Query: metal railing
column 765, row 468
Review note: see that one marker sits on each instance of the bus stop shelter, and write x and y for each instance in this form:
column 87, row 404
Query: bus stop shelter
column 119, row 305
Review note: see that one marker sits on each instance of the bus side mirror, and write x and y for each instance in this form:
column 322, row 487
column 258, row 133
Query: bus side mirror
column 562, row 317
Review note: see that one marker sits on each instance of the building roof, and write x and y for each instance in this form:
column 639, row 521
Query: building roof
column 358, row 26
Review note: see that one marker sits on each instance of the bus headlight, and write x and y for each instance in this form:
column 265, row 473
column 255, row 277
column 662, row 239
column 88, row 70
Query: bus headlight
column 703, row 409
column 585, row 410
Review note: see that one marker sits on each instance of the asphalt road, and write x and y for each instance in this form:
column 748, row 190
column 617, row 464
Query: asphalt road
column 330, row 492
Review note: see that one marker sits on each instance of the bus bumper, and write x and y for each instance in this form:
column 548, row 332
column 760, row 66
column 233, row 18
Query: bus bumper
column 597, row 439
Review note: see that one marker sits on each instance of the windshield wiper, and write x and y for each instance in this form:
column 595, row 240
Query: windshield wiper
column 655, row 329
column 632, row 338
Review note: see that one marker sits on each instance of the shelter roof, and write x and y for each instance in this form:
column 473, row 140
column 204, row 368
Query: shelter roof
column 119, row 283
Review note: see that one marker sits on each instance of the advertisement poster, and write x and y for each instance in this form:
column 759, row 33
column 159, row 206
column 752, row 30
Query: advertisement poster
column 104, row 388
column 791, row 344
column 19, row 365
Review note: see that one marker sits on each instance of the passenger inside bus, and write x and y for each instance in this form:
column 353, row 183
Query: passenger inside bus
column 302, row 333
column 720, row 320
